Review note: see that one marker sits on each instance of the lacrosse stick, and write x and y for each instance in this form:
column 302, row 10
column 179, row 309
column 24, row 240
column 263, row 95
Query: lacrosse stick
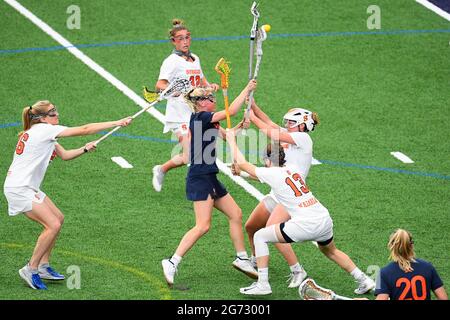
column 224, row 70
column 254, row 11
column 310, row 290
column 177, row 86
column 261, row 36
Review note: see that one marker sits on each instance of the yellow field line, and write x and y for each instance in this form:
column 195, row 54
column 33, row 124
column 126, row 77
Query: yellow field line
column 164, row 292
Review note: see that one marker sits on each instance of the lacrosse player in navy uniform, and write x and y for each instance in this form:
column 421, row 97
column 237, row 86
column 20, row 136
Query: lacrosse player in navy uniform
column 181, row 63
column 406, row 277
column 202, row 185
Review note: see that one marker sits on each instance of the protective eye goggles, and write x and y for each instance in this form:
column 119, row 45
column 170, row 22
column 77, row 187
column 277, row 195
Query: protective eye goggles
column 209, row 97
column 290, row 123
column 181, row 38
column 53, row 112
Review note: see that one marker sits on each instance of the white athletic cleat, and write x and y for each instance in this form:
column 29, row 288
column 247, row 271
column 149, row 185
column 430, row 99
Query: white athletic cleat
column 169, row 270
column 245, row 266
column 365, row 285
column 257, row 289
column 33, row 280
column 296, row 278
column 158, row 177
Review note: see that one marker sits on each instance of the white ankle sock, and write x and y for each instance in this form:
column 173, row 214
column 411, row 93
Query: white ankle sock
column 296, row 267
column 263, row 275
column 357, row 274
column 176, row 259
column 242, row 255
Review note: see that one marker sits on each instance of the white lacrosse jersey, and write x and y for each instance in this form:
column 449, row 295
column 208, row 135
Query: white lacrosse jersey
column 34, row 151
column 299, row 155
column 175, row 67
column 290, row 191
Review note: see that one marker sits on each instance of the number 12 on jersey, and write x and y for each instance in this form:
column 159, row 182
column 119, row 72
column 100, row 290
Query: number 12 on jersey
column 195, row 81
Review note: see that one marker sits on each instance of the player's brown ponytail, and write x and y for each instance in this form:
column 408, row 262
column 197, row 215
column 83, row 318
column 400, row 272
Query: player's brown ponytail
column 402, row 251
column 275, row 153
column 39, row 107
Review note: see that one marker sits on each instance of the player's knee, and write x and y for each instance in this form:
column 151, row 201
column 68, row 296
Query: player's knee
column 238, row 214
column 250, row 228
column 328, row 251
column 61, row 219
column 202, row 229
column 260, row 240
column 54, row 226
column 258, row 236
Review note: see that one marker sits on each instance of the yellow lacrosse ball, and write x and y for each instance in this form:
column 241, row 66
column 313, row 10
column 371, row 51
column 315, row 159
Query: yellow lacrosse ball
column 266, row 27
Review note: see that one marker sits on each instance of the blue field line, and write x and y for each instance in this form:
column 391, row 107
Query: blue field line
column 13, row 124
column 361, row 166
column 329, row 162
column 225, row 38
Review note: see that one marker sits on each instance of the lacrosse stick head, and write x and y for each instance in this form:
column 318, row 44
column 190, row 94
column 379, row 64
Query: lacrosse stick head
column 310, row 290
column 254, row 9
column 223, row 68
column 175, row 88
column 150, row 96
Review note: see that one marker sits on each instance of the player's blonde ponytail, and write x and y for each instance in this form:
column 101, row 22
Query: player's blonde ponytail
column 193, row 96
column 39, row 107
column 401, row 247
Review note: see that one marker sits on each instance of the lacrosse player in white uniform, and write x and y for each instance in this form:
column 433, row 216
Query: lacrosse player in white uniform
column 180, row 64
column 298, row 147
column 36, row 148
column 309, row 219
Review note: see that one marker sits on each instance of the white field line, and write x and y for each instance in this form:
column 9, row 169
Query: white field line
column 402, row 157
column 122, row 162
column 119, row 85
column 435, row 9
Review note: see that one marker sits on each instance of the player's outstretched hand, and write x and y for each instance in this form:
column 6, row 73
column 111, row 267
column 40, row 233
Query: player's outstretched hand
column 124, row 122
column 90, row 146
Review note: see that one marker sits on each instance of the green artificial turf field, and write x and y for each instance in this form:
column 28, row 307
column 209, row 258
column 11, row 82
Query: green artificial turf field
column 376, row 91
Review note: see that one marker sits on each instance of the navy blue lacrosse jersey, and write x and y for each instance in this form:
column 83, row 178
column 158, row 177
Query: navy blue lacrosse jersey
column 203, row 144
column 415, row 285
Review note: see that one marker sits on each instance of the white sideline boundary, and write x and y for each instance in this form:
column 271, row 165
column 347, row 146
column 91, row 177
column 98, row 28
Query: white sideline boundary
column 435, row 9
column 119, row 85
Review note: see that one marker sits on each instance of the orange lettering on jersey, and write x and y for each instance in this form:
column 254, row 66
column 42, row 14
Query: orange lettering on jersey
column 21, row 144
column 308, row 203
column 192, row 71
